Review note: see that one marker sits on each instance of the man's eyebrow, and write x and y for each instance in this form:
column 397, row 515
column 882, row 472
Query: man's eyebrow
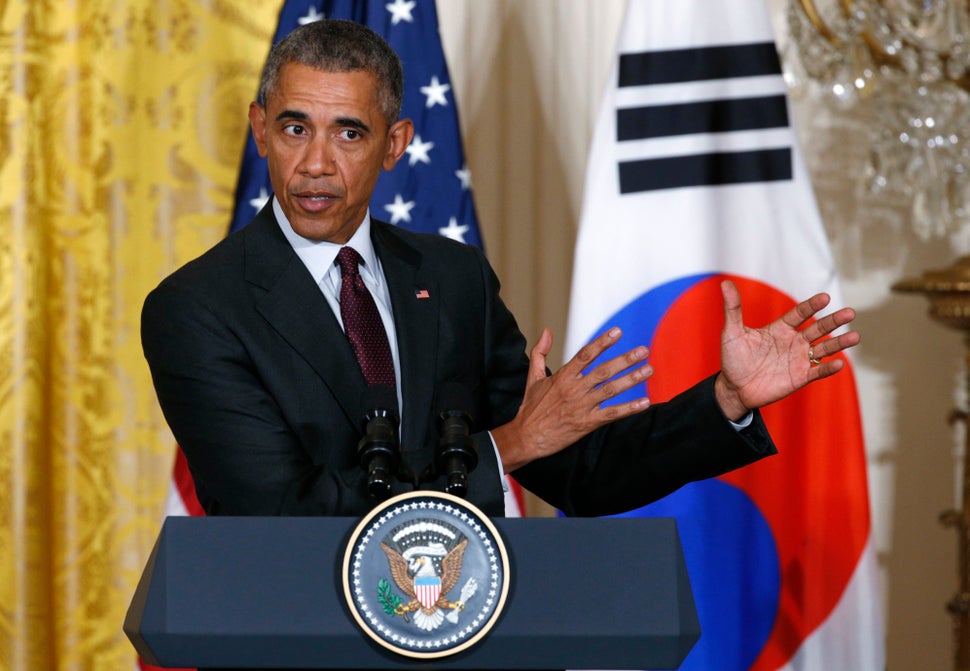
column 292, row 114
column 352, row 122
column 344, row 121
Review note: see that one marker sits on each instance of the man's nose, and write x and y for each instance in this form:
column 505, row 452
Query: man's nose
column 319, row 158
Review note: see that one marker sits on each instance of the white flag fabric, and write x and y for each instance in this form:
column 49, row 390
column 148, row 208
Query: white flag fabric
column 695, row 175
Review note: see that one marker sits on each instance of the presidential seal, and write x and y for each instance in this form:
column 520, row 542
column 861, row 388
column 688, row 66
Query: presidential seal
column 426, row 574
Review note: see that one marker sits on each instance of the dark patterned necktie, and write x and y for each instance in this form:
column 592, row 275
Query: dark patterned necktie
column 362, row 322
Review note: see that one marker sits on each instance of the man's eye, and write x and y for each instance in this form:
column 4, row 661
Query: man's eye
column 294, row 130
column 350, row 134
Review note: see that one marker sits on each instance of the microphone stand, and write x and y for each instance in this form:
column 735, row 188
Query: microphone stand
column 379, row 451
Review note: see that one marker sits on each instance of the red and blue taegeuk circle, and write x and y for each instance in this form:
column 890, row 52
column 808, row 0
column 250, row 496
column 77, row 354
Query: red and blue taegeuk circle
column 770, row 548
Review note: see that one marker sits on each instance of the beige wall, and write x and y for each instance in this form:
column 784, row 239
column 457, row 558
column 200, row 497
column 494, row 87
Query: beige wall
column 528, row 77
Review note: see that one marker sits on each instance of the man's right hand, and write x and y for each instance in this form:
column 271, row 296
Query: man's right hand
column 559, row 409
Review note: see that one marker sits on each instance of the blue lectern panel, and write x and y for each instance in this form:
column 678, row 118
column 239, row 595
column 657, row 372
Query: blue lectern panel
column 267, row 592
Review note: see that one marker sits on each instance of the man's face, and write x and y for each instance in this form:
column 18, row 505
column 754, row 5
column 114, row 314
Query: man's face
column 325, row 138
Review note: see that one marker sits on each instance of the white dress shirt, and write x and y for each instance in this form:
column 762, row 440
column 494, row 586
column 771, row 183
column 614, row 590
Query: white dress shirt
column 319, row 257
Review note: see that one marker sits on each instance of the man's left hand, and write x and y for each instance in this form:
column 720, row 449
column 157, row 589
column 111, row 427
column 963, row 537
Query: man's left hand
column 760, row 366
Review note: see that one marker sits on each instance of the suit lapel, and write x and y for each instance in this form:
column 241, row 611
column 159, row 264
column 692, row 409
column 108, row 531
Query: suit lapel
column 315, row 333
column 414, row 299
column 295, row 308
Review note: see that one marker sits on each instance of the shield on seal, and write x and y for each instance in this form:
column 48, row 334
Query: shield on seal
column 427, row 589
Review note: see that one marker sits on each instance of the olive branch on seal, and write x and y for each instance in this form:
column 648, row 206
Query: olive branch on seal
column 390, row 600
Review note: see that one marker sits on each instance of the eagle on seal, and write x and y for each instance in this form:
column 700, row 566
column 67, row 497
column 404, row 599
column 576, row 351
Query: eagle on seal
column 416, row 575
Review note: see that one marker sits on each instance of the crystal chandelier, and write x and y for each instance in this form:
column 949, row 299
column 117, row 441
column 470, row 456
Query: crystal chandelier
column 907, row 63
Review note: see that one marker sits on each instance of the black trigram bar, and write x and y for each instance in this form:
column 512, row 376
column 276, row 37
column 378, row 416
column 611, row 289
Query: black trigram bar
column 764, row 165
column 708, row 116
column 698, row 64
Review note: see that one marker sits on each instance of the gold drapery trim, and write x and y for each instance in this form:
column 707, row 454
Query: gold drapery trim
column 121, row 130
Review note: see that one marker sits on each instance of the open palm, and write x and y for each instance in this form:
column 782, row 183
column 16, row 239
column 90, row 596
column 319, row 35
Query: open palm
column 762, row 365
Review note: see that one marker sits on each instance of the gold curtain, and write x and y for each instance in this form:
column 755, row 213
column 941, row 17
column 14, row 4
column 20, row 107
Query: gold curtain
column 121, row 130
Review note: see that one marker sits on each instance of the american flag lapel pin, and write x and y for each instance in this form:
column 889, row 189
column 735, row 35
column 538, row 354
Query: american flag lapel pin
column 421, row 293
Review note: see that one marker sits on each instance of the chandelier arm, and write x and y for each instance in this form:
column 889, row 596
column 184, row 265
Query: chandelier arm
column 875, row 48
column 879, row 54
column 811, row 11
column 884, row 58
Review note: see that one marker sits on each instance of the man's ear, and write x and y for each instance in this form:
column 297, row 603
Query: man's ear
column 257, row 121
column 399, row 137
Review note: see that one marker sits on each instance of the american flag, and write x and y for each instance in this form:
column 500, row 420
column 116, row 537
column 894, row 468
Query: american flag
column 430, row 188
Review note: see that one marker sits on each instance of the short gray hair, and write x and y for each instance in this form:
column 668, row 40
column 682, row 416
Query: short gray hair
column 334, row 45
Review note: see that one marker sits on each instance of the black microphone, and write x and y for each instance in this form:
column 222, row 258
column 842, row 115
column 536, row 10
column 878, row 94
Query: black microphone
column 456, row 455
column 378, row 450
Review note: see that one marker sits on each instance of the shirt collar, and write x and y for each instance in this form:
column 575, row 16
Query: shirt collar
column 319, row 256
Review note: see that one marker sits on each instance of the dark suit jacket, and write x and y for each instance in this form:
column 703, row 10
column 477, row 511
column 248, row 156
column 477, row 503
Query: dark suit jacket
column 263, row 393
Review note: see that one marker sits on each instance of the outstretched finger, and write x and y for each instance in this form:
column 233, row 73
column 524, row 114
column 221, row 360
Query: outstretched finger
column 825, row 369
column 611, row 413
column 590, row 351
column 733, row 319
column 618, row 384
column 831, row 346
column 829, row 323
column 604, row 376
column 538, row 354
column 801, row 313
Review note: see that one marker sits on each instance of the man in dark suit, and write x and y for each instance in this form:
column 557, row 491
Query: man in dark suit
column 262, row 387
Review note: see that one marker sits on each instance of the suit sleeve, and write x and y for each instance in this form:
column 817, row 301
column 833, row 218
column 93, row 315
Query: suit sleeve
column 635, row 461
column 626, row 464
column 245, row 458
